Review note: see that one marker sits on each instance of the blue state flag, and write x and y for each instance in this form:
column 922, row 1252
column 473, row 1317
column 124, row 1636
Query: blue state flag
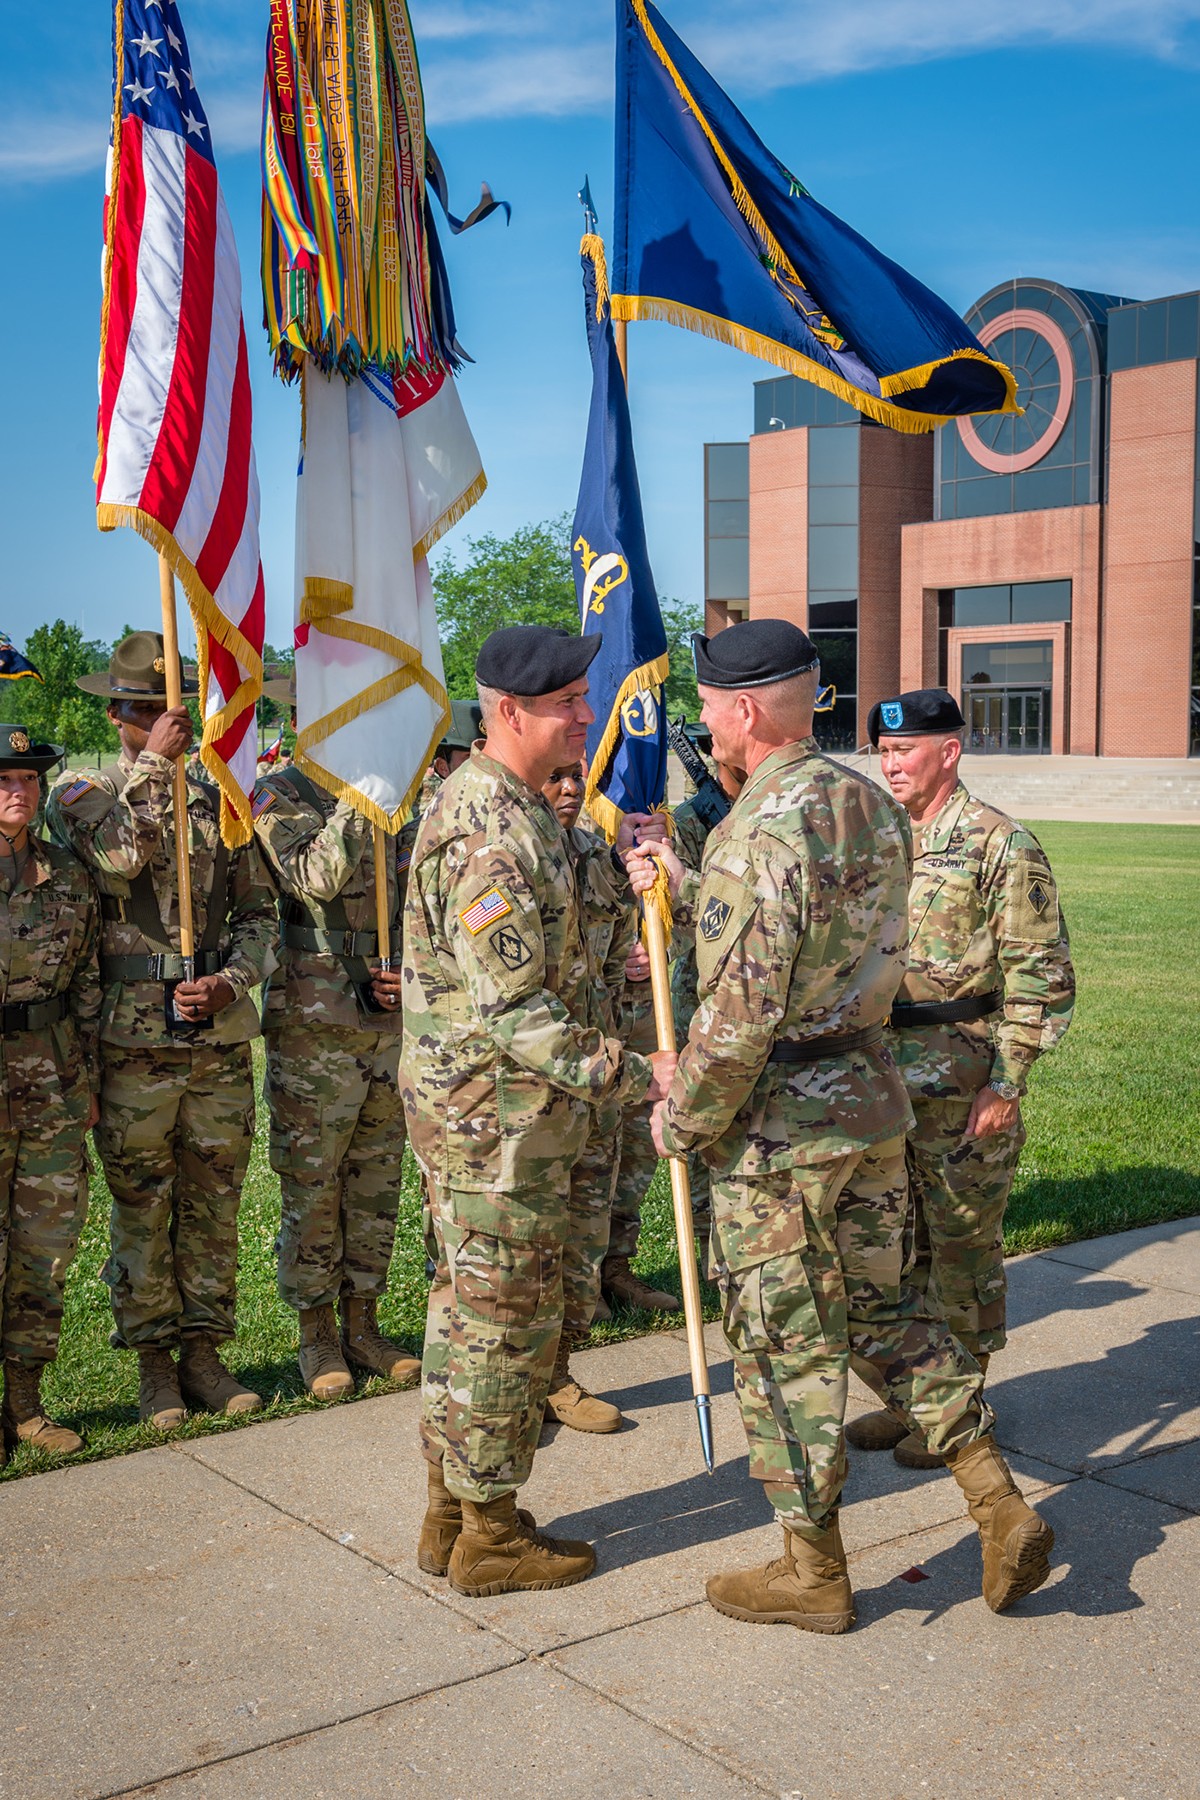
column 627, row 745
column 713, row 233
column 12, row 664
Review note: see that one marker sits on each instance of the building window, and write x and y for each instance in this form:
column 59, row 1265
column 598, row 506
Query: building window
column 1013, row 664
column 727, row 523
column 1021, row 603
column 833, row 459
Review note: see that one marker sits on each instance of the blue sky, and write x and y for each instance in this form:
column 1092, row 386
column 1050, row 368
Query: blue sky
column 971, row 143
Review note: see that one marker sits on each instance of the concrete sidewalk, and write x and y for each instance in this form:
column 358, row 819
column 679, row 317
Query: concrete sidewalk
column 241, row 1616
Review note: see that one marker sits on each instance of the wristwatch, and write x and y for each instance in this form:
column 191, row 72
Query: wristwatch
column 1005, row 1089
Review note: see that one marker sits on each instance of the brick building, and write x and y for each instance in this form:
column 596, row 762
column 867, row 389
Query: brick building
column 1043, row 567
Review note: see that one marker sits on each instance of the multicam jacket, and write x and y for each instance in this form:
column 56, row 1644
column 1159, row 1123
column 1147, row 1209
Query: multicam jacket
column 801, row 927
column 689, row 834
column 983, row 915
column 501, row 1065
column 119, row 822
column 610, row 922
column 49, row 931
column 322, row 856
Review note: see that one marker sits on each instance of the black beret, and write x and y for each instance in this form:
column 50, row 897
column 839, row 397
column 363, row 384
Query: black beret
column 925, row 712
column 753, row 654
column 528, row 660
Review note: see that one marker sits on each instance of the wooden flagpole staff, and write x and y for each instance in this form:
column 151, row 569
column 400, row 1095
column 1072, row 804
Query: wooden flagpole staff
column 681, row 1187
column 681, row 1195
column 183, row 860
column 383, row 911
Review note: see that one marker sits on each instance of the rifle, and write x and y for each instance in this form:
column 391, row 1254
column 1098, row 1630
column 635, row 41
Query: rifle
column 710, row 801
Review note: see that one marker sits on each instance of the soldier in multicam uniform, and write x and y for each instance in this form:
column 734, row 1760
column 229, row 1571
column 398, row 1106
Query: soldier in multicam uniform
column 610, row 926
column 332, row 1025
column 787, row 1086
column 49, row 1079
column 177, row 1105
column 466, row 725
column 989, row 988
column 502, row 1069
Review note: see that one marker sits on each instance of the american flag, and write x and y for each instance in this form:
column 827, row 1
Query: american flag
column 175, row 459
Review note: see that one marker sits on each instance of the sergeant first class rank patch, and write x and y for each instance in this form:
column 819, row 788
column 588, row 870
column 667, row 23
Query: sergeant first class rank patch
column 485, row 911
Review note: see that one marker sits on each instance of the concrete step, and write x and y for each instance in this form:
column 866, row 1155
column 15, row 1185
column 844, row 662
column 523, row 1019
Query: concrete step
column 1155, row 790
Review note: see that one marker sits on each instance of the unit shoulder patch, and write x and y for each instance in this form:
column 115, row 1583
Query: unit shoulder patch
column 714, row 919
column 1037, row 896
column 485, row 911
column 510, row 947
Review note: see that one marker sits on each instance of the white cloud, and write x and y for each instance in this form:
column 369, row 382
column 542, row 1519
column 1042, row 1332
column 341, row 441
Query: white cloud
column 489, row 59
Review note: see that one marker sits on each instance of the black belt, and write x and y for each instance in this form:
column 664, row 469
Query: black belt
column 947, row 1012
column 31, row 1015
column 811, row 1050
column 329, row 943
column 159, row 967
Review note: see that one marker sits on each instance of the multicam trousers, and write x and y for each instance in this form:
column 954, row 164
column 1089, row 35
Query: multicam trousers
column 43, row 1201
column 811, row 1263
column 593, row 1181
column 176, row 1126
column 494, row 1321
column 337, row 1144
column 960, row 1193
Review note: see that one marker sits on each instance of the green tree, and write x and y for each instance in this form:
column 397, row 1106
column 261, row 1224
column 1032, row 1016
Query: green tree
column 54, row 710
column 526, row 579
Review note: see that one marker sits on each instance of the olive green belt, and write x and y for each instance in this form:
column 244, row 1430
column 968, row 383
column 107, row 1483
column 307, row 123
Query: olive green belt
column 329, row 943
column 31, row 1015
column 162, row 966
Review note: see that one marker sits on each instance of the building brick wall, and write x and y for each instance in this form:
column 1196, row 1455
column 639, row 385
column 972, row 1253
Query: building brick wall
column 1149, row 549
column 1059, row 543
column 779, row 526
column 895, row 489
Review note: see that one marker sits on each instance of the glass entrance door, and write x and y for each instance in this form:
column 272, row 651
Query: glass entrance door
column 1007, row 720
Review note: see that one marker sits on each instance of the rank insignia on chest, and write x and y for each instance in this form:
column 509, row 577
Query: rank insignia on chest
column 510, row 947
column 714, row 919
column 485, row 911
column 1039, row 899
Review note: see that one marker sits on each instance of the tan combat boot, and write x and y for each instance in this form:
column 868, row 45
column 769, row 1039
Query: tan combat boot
column 808, row 1586
column 881, row 1430
column 1016, row 1542
column 621, row 1285
column 911, row 1453
column 603, row 1311
column 571, row 1403
column 499, row 1552
column 23, row 1418
column 206, row 1383
column 322, row 1365
column 443, row 1522
column 160, row 1402
column 365, row 1347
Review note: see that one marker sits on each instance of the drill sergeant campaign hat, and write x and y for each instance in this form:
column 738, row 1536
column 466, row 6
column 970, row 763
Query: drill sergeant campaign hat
column 281, row 689
column 530, row 660
column 17, row 752
column 755, row 653
column 466, row 724
column 138, row 671
column 923, row 712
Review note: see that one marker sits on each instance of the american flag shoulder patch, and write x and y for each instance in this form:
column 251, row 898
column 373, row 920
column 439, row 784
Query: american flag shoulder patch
column 263, row 797
column 75, row 792
column 485, row 911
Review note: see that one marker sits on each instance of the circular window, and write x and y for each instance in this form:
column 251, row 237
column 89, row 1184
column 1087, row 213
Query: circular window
column 1037, row 352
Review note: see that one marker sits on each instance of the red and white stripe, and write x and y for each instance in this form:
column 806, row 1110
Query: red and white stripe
column 176, row 458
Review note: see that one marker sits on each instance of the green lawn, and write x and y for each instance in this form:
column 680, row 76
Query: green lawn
column 1114, row 1141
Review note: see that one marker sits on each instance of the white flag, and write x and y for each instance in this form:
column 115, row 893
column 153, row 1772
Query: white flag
column 377, row 488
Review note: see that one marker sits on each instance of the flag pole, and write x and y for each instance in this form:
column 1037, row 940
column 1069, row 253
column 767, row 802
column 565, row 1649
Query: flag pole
column 383, row 911
column 183, row 861
column 621, row 340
